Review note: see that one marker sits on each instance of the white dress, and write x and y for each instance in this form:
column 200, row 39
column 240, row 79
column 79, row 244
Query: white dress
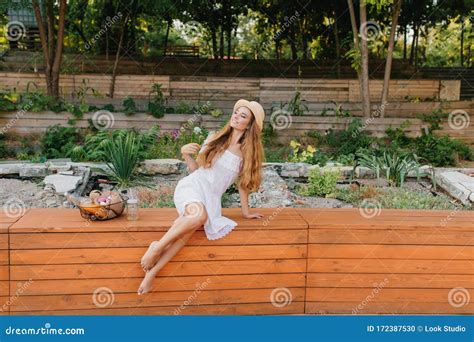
column 207, row 185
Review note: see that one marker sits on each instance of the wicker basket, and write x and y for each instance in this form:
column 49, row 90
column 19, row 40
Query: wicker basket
column 96, row 212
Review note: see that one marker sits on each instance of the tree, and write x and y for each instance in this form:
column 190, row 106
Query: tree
column 388, row 65
column 52, row 39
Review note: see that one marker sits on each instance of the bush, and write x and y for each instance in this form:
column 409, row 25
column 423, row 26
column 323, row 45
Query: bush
column 321, row 184
column 441, row 151
column 58, row 141
column 349, row 141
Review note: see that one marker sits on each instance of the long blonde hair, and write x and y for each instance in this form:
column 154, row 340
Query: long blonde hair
column 250, row 176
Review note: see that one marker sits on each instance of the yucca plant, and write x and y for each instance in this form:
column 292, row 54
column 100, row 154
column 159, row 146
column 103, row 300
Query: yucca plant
column 394, row 165
column 122, row 157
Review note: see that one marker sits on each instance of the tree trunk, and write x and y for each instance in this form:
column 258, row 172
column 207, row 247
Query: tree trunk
column 52, row 46
column 405, row 43
column 214, row 43
column 221, row 41
column 229, row 42
column 388, row 66
column 338, row 48
column 365, row 63
column 412, row 50
column 165, row 43
column 117, row 57
column 462, row 41
column 416, row 45
column 355, row 34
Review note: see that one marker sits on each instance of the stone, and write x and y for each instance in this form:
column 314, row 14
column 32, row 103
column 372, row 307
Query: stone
column 161, row 166
column 33, row 170
column 457, row 184
column 10, row 169
column 63, row 183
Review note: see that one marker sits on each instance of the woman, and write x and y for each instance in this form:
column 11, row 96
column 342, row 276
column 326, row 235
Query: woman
column 235, row 151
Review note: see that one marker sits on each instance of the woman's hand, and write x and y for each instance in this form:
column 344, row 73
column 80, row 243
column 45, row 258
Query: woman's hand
column 251, row 216
column 190, row 149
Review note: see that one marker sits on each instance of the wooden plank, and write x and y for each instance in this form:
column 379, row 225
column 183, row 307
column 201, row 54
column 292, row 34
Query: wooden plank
column 118, row 255
column 3, row 241
column 384, row 295
column 173, row 268
column 216, row 309
column 392, row 237
column 159, row 219
column 143, row 239
column 210, row 282
column 388, row 266
column 3, row 257
column 388, row 280
column 402, row 308
column 175, row 299
column 387, row 252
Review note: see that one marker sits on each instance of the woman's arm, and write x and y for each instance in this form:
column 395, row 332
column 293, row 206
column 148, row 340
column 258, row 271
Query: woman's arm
column 244, row 203
column 187, row 151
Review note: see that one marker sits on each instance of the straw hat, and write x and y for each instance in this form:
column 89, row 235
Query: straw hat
column 256, row 109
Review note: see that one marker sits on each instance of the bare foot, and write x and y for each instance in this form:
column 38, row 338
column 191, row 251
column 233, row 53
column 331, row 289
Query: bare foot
column 151, row 256
column 145, row 286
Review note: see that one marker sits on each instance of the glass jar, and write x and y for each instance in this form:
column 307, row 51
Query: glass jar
column 132, row 209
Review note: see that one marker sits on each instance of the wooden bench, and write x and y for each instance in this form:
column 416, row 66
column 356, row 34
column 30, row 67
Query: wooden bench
column 182, row 50
column 68, row 260
column 389, row 261
column 294, row 261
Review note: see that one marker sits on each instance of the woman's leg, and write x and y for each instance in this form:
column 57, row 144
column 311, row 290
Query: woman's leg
column 167, row 255
column 195, row 216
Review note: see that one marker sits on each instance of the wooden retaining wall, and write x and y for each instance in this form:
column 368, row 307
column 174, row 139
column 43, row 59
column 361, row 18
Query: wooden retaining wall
column 294, row 261
column 229, row 89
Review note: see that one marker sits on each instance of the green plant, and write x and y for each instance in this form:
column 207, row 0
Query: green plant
column 321, row 183
column 183, row 108
column 348, row 141
column 129, row 106
column 122, row 157
column 94, row 144
column 395, row 166
column 297, row 106
column 301, row 155
column 59, row 142
column 157, row 101
column 110, row 107
column 9, row 100
column 441, row 151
